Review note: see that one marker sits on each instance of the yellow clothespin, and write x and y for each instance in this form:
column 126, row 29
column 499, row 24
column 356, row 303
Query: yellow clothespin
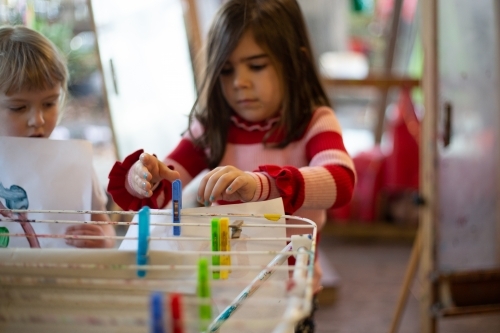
column 225, row 246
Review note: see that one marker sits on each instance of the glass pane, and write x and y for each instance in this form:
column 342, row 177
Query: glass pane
column 468, row 167
column 148, row 73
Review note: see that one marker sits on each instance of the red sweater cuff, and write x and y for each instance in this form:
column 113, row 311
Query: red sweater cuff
column 116, row 186
column 290, row 184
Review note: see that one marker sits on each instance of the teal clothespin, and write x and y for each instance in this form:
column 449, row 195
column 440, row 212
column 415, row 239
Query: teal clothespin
column 143, row 240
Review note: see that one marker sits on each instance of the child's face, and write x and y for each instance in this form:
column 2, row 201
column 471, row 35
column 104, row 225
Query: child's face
column 250, row 82
column 29, row 113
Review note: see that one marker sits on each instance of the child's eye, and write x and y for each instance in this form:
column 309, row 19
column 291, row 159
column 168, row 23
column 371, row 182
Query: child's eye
column 17, row 108
column 226, row 71
column 257, row 67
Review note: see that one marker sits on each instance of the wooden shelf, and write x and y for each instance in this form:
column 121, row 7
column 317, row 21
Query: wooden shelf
column 378, row 81
column 468, row 310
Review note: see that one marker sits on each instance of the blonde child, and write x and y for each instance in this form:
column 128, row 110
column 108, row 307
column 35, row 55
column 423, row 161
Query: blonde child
column 32, row 89
column 262, row 124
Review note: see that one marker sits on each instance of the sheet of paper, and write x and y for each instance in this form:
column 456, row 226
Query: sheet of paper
column 44, row 174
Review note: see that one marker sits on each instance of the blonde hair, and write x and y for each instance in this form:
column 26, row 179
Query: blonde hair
column 28, row 60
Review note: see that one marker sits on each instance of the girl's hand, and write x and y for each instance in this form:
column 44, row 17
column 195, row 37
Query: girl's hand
column 87, row 230
column 226, row 183
column 147, row 172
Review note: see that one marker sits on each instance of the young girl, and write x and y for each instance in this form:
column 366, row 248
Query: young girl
column 32, row 90
column 262, row 124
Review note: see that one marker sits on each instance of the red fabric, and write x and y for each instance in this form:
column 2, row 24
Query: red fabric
column 289, row 182
column 402, row 165
column 116, row 186
column 324, row 141
column 192, row 158
column 344, row 181
column 379, row 173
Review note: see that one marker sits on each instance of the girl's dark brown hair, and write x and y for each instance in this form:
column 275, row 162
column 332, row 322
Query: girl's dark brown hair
column 279, row 28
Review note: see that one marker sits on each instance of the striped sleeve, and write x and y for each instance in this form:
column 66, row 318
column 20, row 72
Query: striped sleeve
column 328, row 179
column 186, row 158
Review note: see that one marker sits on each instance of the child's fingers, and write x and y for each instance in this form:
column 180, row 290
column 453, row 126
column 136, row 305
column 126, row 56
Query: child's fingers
column 203, row 185
column 241, row 188
column 89, row 228
column 168, row 173
column 215, row 184
column 138, row 179
column 227, row 181
column 142, row 171
column 81, row 231
column 220, row 177
column 150, row 162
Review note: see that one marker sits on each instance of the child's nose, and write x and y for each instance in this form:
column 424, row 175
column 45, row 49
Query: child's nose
column 241, row 80
column 36, row 117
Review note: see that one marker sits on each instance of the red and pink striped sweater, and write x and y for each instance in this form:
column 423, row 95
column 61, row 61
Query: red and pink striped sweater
column 311, row 174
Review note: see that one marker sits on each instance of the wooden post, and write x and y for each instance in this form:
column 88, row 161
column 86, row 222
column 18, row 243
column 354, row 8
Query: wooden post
column 408, row 279
column 389, row 60
column 194, row 36
column 103, row 83
column 496, row 8
column 428, row 164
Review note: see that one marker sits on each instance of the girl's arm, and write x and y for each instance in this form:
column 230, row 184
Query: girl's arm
column 129, row 178
column 134, row 184
column 328, row 179
column 321, row 174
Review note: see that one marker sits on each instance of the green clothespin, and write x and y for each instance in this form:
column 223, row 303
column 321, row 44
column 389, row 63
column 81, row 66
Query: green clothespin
column 203, row 291
column 4, row 240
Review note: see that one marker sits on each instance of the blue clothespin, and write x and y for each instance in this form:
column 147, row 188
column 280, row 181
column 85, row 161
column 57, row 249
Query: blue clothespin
column 142, row 248
column 176, row 205
column 156, row 320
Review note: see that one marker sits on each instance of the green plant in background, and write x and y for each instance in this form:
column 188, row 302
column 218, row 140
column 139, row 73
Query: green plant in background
column 82, row 61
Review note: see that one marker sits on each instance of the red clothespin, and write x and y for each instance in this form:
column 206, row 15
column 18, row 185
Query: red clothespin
column 176, row 313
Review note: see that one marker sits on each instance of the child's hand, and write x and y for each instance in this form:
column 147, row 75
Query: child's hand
column 147, row 172
column 226, row 183
column 87, row 230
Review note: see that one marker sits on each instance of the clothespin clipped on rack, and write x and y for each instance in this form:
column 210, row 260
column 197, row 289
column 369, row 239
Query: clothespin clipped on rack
column 156, row 311
column 203, row 291
column 143, row 240
column 215, row 232
column 176, row 314
column 300, row 242
column 225, row 246
column 176, row 205
column 236, row 229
